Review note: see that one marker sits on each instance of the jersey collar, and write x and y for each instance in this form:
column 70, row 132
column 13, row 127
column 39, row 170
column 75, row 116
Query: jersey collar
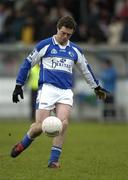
column 55, row 42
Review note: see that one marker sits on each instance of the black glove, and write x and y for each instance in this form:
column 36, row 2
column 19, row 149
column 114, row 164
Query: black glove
column 18, row 91
column 101, row 93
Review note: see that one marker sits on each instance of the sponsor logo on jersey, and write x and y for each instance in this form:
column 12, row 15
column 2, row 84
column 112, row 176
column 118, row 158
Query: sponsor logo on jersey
column 62, row 60
column 61, row 63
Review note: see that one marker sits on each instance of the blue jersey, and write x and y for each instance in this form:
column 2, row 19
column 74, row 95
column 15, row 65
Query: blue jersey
column 56, row 64
column 109, row 79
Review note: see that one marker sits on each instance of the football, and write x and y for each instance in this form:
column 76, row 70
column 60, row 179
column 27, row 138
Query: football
column 52, row 126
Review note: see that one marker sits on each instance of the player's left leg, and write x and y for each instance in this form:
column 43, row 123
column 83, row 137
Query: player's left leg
column 63, row 112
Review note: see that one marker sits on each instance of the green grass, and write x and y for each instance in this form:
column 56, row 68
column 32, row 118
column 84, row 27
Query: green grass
column 91, row 152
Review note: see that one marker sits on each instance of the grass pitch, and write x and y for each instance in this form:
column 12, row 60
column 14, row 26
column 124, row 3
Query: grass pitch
column 91, row 152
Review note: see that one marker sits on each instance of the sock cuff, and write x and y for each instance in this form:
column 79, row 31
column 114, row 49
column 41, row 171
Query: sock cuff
column 28, row 136
column 57, row 148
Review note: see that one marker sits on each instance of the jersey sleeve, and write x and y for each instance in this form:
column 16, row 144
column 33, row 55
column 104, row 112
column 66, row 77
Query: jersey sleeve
column 86, row 70
column 30, row 61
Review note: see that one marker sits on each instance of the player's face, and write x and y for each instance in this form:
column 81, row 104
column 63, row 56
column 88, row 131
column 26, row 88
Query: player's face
column 64, row 34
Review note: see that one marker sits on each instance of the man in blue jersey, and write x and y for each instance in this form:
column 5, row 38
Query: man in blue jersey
column 108, row 77
column 56, row 57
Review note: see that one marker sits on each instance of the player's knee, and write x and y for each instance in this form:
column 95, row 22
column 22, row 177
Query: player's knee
column 65, row 124
column 32, row 125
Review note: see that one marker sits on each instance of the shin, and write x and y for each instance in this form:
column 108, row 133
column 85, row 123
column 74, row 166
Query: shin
column 35, row 130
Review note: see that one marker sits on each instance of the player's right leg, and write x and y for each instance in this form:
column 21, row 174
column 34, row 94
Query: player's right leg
column 34, row 131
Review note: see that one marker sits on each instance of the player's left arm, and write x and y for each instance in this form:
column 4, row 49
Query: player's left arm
column 90, row 78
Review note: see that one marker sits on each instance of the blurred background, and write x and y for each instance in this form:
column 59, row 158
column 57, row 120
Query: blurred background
column 102, row 32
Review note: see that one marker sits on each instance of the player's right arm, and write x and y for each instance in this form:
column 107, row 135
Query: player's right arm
column 22, row 75
column 29, row 62
column 33, row 58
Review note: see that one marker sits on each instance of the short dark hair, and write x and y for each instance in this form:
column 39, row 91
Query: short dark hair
column 67, row 21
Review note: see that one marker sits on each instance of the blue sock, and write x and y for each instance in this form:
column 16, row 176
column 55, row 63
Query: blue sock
column 55, row 154
column 26, row 141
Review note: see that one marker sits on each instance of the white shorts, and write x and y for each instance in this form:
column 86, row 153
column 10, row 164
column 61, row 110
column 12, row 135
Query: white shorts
column 49, row 95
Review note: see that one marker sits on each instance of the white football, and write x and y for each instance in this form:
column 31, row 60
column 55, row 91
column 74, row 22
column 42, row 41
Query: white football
column 52, row 126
